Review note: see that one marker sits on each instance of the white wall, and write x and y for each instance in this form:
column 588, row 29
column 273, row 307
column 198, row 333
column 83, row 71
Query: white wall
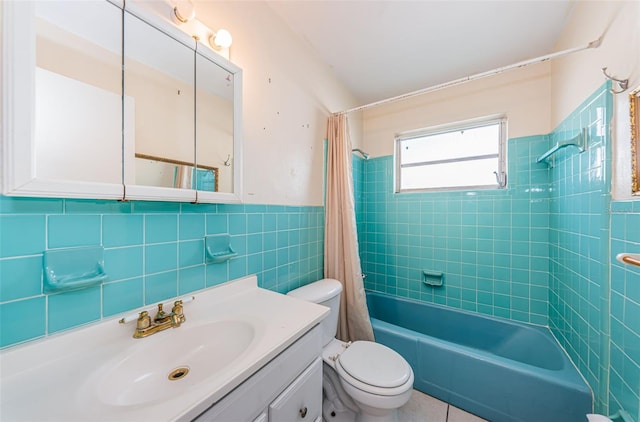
column 79, row 117
column 522, row 94
column 577, row 76
column 288, row 95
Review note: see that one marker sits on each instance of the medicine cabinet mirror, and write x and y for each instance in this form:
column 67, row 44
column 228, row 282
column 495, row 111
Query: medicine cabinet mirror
column 160, row 82
column 112, row 103
column 215, row 134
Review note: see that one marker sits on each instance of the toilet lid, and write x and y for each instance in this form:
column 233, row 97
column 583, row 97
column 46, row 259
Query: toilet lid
column 375, row 364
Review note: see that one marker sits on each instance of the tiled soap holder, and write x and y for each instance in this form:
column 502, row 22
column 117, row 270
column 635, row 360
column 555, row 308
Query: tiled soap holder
column 218, row 248
column 73, row 268
column 433, row 278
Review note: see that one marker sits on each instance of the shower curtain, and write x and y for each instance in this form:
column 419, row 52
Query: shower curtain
column 341, row 259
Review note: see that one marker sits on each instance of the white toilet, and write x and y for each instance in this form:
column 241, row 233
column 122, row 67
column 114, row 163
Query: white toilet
column 363, row 381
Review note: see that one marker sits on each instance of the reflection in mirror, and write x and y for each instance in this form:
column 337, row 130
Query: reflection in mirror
column 159, row 81
column 214, row 129
column 178, row 174
column 78, row 80
column 634, row 113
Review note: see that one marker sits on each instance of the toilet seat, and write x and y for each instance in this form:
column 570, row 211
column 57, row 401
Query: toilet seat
column 374, row 368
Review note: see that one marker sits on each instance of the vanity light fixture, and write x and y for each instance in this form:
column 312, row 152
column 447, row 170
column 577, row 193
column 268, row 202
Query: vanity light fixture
column 183, row 14
column 221, row 39
column 183, row 11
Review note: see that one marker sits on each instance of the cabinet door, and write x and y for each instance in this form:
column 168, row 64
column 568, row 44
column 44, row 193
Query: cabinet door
column 302, row 400
column 218, row 132
column 62, row 92
column 159, row 84
column 261, row 418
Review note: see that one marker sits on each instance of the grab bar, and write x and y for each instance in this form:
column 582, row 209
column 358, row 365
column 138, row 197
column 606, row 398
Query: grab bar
column 629, row 258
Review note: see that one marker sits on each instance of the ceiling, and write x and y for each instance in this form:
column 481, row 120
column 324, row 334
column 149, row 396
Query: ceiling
column 381, row 49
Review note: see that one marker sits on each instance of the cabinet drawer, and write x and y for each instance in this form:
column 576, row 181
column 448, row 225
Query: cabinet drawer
column 302, row 400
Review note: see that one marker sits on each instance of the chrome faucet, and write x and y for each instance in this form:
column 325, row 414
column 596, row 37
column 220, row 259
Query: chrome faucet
column 145, row 327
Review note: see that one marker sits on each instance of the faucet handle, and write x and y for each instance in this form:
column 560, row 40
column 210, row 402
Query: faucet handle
column 144, row 321
column 177, row 313
column 177, row 307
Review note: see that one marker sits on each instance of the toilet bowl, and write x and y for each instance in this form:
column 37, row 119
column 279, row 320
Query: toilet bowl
column 377, row 379
column 366, row 381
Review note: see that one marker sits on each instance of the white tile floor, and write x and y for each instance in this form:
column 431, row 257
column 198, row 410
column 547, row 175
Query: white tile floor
column 424, row 408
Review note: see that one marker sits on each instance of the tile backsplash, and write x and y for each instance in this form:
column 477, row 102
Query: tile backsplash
column 152, row 252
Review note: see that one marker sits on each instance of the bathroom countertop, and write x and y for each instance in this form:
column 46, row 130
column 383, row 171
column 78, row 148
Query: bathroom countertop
column 60, row 377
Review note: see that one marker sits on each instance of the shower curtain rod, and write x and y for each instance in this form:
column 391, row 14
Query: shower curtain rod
column 592, row 44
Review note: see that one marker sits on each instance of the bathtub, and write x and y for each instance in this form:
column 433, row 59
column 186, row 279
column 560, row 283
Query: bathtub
column 497, row 369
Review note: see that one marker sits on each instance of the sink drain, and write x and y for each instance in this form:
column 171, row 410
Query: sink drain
column 178, row 373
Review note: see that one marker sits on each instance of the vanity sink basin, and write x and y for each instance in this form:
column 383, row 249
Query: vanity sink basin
column 167, row 363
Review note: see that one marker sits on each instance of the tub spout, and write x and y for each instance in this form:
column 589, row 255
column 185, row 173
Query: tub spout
column 620, row 415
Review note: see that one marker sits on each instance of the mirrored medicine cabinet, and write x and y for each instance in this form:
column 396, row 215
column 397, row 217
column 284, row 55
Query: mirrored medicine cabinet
column 105, row 101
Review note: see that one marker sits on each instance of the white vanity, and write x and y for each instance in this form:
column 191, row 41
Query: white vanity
column 243, row 354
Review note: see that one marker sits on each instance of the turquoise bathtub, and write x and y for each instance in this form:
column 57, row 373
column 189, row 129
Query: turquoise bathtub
column 497, row 369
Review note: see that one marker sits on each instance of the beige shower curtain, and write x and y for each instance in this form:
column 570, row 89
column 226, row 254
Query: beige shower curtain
column 341, row 259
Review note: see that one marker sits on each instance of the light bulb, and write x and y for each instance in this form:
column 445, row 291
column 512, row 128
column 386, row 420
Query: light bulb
column 221, row 39
column 184, row 11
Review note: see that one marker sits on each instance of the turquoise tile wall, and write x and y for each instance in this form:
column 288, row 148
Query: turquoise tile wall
column 153, row 251
column 492, row 245
column 579, row 243
column 624, row 373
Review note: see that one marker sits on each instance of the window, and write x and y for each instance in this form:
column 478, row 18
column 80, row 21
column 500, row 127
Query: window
column 467, row 155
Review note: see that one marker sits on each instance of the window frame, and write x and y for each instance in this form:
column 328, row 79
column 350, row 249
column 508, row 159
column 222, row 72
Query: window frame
column 501, row 176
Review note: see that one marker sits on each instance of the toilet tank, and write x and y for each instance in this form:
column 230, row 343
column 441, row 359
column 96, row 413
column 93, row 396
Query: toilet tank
column 323, row 292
